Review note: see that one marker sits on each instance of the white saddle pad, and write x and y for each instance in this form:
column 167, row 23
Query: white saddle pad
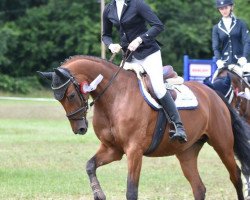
column 185, row 98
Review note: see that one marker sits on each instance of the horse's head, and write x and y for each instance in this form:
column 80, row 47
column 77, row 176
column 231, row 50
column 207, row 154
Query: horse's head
column 221, row 84
column 67, row 91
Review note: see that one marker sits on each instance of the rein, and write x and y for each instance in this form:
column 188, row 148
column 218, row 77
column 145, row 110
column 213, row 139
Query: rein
column 127, row 55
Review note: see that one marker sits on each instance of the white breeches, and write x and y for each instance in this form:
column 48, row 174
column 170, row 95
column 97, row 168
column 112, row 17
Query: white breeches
column 152, row 64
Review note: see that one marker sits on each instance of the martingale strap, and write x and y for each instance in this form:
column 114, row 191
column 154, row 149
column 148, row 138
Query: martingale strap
column 127, row 55
column 158, row 132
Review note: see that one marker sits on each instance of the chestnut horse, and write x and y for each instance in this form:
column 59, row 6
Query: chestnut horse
column 124, row 123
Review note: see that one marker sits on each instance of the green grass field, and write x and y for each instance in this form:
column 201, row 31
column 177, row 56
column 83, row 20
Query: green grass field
column 41, row 158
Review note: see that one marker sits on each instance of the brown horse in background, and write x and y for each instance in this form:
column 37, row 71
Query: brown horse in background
column 124, row 123
column 230, row 82
column 238, row 85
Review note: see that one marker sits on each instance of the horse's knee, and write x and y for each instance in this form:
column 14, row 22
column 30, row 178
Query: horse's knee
column 91, row 166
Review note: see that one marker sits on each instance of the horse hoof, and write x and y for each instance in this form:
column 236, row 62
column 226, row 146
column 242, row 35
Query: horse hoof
column 99, row 196
column 179, row 138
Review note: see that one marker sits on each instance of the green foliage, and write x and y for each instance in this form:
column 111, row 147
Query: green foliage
column 11, row 10
column 242, row 10
column 8, row 35
column 40, row 34
column 18, row 85
column 50, row 34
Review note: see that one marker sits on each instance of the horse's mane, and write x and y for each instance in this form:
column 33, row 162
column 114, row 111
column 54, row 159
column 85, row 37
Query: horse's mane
column 86, row 57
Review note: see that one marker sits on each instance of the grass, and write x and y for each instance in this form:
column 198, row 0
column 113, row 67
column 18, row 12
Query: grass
column 41, row 158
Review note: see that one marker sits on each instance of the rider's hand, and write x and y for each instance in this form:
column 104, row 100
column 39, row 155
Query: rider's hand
column 220, row 63
column 114, row 48
column 242, row 61
column 135, row 44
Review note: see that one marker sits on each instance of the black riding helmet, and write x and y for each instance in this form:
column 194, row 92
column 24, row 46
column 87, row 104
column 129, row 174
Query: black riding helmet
column 222, row 3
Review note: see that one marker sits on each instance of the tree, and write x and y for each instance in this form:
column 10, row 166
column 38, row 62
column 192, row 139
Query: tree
column 11, row 10
column 45, row 32
column 50, row 34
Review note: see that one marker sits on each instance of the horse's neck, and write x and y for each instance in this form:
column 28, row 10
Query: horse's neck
column 110, row 88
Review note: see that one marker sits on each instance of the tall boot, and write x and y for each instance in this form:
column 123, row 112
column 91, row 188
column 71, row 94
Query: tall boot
column 173, row 116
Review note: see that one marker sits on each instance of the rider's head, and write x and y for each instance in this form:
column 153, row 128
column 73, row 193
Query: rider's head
column 225, row 7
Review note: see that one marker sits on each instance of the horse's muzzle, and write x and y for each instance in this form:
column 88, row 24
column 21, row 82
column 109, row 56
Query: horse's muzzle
column 81, row 127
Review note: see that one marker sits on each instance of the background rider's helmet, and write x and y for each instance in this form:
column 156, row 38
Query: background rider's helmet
column 222, row 3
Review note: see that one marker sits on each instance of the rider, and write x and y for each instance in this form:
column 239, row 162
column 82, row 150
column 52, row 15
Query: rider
column 230, row 37
column 130, row 17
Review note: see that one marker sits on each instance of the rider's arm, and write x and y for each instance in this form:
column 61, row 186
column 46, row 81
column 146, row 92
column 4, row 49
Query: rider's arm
column 216, row 43
column 107, row 28
column 156, row 25
column 245, row 36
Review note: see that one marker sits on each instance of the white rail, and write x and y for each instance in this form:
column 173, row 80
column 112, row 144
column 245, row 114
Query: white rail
column 26, row 99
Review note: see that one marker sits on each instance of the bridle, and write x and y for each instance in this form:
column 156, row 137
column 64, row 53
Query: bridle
column 82, row 110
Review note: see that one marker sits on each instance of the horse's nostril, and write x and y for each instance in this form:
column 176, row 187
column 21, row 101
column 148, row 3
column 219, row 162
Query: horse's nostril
column 82, row 131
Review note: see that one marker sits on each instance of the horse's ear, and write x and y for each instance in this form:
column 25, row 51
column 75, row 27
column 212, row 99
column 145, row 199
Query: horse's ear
column 59, row 72
column 207, row 82
column 46, row 75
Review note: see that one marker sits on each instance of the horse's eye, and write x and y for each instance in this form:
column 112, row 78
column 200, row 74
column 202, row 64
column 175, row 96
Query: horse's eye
column 71, row 96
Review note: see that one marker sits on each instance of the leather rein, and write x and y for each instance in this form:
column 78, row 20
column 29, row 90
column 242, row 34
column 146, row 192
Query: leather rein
column 126, row 56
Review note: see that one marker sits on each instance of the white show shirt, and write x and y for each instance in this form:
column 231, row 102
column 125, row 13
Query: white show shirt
column 227, row 22
column 119, row 6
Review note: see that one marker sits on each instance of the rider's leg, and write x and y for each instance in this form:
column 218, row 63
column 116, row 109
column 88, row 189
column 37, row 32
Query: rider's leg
column 153, row 66
column 168, row 104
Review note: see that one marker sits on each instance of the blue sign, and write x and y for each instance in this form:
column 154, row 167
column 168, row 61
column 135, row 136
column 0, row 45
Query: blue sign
column 198, row 70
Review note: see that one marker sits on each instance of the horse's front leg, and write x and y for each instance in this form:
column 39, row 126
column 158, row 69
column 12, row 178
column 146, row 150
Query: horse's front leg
column 134, row 158
column 103, row 156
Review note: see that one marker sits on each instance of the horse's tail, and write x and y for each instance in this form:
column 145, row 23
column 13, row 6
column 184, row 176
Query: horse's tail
column 241, row 131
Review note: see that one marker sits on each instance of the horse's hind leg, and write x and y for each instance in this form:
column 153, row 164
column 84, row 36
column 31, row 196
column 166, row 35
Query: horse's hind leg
column 226, row 153
column 188, row 162
column 103, row 156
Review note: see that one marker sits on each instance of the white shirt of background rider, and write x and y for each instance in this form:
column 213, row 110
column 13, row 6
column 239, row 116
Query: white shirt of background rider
column 227, row 22
column 119, row 7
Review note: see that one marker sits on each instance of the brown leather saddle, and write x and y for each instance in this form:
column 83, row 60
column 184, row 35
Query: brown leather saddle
column 168, row 72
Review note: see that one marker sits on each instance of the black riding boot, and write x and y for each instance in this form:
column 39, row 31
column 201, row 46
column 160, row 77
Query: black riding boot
column 172, row 113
